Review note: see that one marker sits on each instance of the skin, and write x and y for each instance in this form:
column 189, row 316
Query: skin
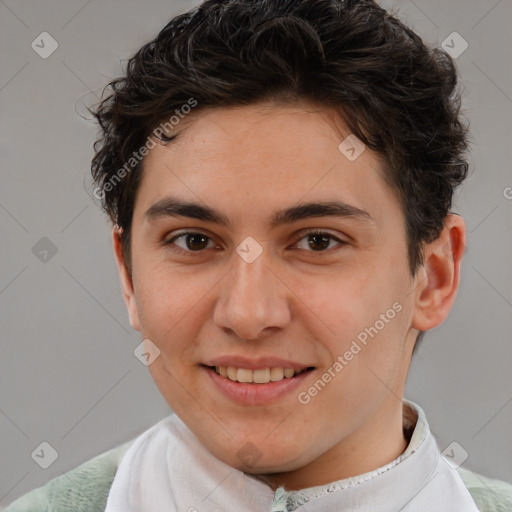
column 292, row 301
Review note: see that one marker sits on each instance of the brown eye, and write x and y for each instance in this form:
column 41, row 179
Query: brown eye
column 196, row 241
column 318, row 241
column 189, row 242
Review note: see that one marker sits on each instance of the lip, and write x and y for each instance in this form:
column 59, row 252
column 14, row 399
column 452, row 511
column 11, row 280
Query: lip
column 256, row 394
column 256, row 364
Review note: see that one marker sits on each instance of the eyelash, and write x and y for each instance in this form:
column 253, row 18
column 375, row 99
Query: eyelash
column 170, row 243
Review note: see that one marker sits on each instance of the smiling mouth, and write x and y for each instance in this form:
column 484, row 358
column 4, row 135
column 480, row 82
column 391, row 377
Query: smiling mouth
column 260, row 376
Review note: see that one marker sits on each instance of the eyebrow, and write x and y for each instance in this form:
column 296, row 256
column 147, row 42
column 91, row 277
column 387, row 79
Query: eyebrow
column 173, row 207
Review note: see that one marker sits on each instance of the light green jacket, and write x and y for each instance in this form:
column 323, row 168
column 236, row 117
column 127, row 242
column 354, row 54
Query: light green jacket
column 86, row 488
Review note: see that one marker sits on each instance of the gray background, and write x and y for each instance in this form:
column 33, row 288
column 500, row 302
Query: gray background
column 68, row 375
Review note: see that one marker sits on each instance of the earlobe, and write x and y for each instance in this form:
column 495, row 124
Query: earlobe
column 437, row 282
column 126, row 279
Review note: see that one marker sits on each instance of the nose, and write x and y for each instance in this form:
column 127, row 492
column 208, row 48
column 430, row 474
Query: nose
column 253, row 302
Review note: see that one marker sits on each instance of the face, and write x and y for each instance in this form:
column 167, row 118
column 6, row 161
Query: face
column 293, row 262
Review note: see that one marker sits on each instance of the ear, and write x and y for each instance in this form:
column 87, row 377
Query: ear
column 126, row 279
column 436, row 283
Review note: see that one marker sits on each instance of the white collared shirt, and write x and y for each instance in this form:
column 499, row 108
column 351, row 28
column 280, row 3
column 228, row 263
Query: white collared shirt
column 167, row 469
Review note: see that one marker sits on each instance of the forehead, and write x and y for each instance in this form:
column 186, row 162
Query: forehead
column 253, row 160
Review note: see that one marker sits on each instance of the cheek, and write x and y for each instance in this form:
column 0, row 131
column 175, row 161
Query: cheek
column 351, row 299
column 164, row 300
column 365, row 363
column 367, row 317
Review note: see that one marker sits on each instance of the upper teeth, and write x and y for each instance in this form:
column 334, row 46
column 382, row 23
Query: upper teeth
column 257, row 376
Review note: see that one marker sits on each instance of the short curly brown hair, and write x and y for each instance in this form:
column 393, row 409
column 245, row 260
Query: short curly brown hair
column 396, row 94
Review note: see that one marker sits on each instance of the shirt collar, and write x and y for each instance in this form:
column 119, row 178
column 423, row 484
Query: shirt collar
column 167, row 468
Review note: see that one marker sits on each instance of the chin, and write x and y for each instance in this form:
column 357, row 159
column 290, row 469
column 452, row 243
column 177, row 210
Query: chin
column 251, row 459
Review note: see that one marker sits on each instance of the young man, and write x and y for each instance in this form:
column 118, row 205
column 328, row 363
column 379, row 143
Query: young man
column 280, row 177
